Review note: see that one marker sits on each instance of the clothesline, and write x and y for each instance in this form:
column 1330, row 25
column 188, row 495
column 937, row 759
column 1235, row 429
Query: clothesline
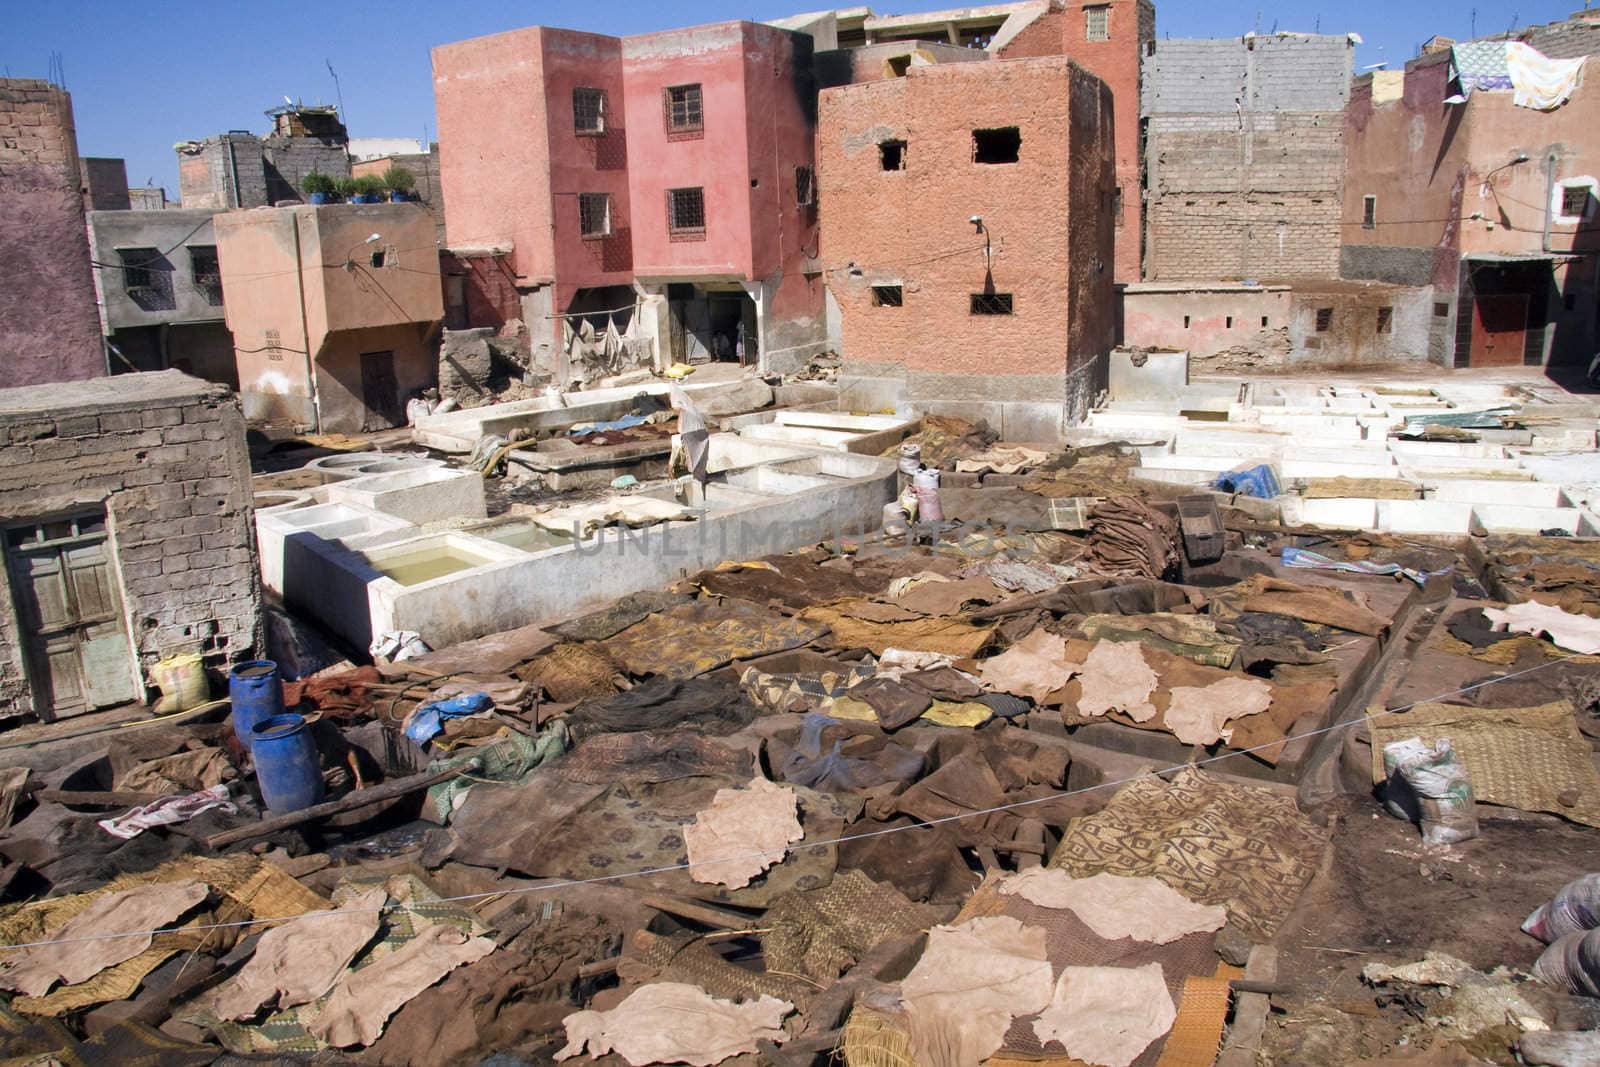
column 803, row 845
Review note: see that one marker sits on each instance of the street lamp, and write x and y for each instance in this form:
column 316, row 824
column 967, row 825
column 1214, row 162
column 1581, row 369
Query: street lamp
column 349, row 262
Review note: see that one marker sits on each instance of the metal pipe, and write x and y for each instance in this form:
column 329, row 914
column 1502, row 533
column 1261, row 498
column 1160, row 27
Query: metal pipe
column 1550, row 161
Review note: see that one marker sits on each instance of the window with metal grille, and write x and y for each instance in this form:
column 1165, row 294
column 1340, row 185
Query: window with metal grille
column 684, row 112
column 206, row 272
column 139, row 268
column 1386, row 320
column 589, row 110
column 594, row 215
column 888, row 296
column 686, row 213
column 1324, row 320
column 805, row 186
column 991, row 304
column 996, row 146
column 1369, row 212
column 273, row 344
column 892, row 155
column 1097, row 22
column 1574, row 201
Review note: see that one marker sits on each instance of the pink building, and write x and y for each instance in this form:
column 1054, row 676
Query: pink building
column 662, row 184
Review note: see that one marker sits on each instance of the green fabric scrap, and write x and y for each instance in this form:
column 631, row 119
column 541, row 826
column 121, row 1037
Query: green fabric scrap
column 509, row 760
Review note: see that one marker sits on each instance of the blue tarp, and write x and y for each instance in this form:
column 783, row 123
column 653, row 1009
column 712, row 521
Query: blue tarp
column 1258, row 481
column 429, row 719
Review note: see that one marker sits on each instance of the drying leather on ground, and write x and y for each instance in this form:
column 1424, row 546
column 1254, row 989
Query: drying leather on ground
column 1116, row 677
column 971, row 982
column 1191, row 636
column 33, row 971
column 650, row 756
column 1129, row 537
column 1324, row 604
column 694, row 638
column 952, row 637
column 670, row 1022
column 1107, row 1015
column 710, row 706
column 300, row 961
column 1114, row 907
column 742, row 833
column 1575, row 633
column 1198, row 715
column 1034, row 667
column 821, row 933
column 818, row 758
column 894, row 703
column 801, row 692
column 362, row 1002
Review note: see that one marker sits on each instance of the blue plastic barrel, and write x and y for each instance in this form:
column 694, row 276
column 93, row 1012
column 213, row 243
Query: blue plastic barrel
column 288, row 769
column 257, row 693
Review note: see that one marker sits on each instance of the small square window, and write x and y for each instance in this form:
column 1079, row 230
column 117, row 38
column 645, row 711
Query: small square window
column 589, row 110
column 1116, row 207
column 991, row 304
column 1229, row 323
column 1186, row 322
column 1264, row 321
column 1386, row 320
column 1441, row 311
column 1097, row 22
column 892, row 155
column 139, row 267
column 888, row 296
column 382, row 257
column 684, row 111
column 1369, row 213
column 1574, row 201
column 594, row 215
column 996, row 146
column 686, row 213
column 1324, row 320
column 805, row 186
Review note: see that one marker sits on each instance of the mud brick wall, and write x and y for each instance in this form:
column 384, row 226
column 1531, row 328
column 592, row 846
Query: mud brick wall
column 164, row 455
column 1245, row 157
column 49, row 328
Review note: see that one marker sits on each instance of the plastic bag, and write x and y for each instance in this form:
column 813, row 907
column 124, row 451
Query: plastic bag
column 1574, row 909
column 1428, row 785
column 398, row 645
column 1572, row 963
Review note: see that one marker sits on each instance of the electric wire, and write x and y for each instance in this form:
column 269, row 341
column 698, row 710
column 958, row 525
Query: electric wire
column 797, row 847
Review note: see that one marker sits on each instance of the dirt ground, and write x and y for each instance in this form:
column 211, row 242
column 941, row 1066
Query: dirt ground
column 1384, row 896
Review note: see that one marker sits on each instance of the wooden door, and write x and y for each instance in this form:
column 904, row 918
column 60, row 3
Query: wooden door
column 1499, row 330
column 75, row 643
column 380, row 391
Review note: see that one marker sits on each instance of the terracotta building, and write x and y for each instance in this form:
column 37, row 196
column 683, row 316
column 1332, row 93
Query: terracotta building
column 49, row 329
column 968, row 229
column 334, row 311
column 662, row 184
column 1489, row 204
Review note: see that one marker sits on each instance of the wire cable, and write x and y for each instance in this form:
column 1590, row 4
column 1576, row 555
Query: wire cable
column 800, row 846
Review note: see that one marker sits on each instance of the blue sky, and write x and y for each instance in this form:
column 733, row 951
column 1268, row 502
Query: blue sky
column 145, row 76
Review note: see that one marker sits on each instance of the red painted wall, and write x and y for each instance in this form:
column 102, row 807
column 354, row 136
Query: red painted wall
column 716, row 160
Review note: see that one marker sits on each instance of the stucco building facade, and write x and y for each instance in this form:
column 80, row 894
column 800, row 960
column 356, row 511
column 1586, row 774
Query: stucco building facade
column 661, row 184
column 334, row 311
column 1488, row 205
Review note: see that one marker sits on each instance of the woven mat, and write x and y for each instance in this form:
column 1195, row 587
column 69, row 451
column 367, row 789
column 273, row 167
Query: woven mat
column 1523, row 758
column 1202, row 1012
column 648, row 957
column 820, row 933
column 1247, row 849
column 252, row 887
column 572, row 672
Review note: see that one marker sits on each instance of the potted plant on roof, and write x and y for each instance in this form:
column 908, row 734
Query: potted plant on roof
column 369, row 189
column 318, row 187
column 399, row 181
column 347, row 189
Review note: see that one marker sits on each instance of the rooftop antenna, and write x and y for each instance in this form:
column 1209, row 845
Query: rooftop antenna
column 1474, row 24
column 338, row 92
